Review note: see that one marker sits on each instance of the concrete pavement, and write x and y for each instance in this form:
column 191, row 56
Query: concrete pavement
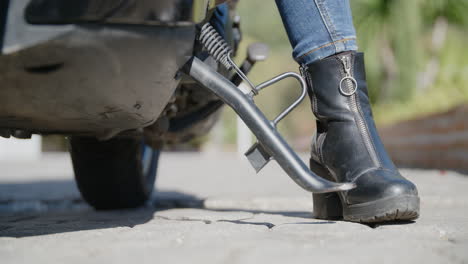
column 212, row 208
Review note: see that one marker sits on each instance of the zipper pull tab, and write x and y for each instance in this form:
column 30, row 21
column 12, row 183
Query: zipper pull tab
column 346, row 66
column 348, row 80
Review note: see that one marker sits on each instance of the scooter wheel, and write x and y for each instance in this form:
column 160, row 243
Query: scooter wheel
column 114, row 174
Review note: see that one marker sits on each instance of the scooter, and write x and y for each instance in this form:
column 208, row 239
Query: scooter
column 122, row 78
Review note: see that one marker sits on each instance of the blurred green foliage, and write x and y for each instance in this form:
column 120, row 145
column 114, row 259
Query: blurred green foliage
column 416, row 58
column 415, row 54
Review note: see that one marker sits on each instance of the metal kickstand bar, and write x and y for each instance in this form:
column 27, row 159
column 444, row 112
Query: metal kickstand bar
column 270, row 142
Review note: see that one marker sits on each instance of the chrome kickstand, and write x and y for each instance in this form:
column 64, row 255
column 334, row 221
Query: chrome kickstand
column 271, row 144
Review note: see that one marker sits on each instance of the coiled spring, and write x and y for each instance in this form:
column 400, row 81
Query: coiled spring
column 215, row 45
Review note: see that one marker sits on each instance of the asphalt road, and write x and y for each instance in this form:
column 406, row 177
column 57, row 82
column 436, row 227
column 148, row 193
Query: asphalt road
column 212, row 208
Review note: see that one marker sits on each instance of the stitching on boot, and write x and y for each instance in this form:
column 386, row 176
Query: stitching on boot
column 366, row 171
column 319, row 146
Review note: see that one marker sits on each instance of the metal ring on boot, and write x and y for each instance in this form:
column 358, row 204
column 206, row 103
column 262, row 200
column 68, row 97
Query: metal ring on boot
column 353, row 81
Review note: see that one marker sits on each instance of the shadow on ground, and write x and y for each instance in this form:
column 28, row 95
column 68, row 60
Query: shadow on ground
column 54, row 206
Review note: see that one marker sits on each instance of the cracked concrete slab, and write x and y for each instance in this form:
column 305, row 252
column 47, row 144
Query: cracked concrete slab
column 212, row 208
column 205, row 216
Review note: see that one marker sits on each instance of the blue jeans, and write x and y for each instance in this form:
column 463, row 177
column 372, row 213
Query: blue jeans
column 318, row 28
column 220, row 19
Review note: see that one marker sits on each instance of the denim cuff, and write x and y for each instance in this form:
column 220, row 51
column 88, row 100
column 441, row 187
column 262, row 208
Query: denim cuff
column 326, row 50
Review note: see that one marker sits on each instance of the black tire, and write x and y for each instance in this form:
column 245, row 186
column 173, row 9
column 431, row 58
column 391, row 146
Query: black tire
column 113, row 174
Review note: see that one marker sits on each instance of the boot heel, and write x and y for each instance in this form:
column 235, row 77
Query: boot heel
column 326, row 205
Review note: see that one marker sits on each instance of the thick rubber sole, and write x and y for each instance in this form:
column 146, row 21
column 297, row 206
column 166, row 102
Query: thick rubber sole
column 398, row 208
column 330, row 206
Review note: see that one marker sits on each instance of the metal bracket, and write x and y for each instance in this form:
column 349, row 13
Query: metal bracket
column 258, row 156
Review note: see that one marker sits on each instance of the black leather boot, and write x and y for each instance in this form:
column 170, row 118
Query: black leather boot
column 347, row 147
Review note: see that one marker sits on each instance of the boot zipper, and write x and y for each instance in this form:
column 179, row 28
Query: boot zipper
column 350, row 85
column 305, row 72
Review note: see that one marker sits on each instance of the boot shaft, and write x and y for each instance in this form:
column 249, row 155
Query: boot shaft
column 339, row 97
column 333, row 81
